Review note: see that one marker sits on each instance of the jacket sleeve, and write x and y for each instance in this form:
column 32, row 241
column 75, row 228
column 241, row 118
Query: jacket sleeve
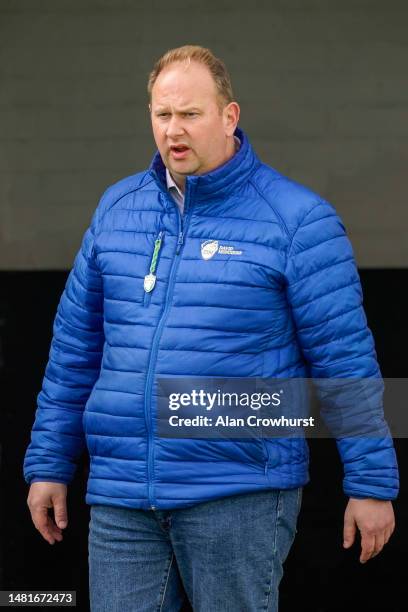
column 325, row 296
column 57, row 437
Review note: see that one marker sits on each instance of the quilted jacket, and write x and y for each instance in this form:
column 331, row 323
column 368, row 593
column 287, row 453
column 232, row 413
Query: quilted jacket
column 288, row 303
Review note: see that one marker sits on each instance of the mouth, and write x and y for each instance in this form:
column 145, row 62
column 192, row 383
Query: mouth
column 179, row 151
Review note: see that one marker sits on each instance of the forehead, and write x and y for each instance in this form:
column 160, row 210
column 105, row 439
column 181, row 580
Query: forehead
column 184, row 83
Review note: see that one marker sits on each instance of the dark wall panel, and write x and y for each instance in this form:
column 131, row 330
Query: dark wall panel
column 320, row 576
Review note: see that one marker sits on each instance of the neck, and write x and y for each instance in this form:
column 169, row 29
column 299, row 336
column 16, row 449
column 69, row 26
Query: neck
column 180, row 180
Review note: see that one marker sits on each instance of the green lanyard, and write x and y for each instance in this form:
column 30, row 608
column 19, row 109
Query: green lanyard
column 150, row 279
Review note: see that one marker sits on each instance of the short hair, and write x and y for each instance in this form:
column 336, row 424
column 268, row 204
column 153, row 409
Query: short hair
column 203, row 56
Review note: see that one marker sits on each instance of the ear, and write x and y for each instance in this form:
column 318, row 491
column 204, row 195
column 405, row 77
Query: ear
column 231, row 114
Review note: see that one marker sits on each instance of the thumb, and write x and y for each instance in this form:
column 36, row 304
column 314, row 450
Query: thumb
column 349, row 532
column 60, row 512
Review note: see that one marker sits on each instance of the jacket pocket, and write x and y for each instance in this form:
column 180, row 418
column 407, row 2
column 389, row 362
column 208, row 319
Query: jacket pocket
column 271, row 454
column 266, row 454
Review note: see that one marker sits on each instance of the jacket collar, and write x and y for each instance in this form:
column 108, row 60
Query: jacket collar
column 219, row 182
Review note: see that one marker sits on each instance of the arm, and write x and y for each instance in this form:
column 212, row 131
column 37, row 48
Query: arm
column 325, row 296
column 57, row 437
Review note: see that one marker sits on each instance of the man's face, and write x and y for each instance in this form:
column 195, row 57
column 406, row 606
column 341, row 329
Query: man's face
column 192, row 134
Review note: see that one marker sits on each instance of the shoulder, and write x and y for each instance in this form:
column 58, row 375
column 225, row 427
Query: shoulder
column 115, row 192
column 292, row 202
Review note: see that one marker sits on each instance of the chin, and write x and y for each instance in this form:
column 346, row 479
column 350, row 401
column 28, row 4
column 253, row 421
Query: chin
column 184, row 170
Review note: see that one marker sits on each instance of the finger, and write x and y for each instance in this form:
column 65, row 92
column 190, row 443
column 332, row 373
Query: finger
column 349, row 532
column 55, row 531
column 60, row 512
column 367, row 547
column 43, row 524
column 379, row 543
column 39, row 516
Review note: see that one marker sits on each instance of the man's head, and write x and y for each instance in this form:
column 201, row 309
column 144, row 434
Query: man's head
column 192, row 111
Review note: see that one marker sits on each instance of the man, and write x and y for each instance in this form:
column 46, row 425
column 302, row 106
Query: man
column 208, row 264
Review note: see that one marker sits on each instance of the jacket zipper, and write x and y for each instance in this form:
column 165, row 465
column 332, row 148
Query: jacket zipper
column 150, row 279
column 155, row 343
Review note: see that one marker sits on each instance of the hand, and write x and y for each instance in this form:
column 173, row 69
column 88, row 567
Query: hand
column 44, row 495
column 376, row 522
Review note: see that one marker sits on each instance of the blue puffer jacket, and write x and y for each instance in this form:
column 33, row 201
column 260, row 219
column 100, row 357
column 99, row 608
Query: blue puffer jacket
column 288, row 303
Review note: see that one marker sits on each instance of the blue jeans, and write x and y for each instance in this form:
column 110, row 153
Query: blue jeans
column 224, row 555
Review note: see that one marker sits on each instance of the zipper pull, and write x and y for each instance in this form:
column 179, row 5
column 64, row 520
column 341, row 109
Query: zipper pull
column 149, row 282
column 180, row 242
column 150, row 279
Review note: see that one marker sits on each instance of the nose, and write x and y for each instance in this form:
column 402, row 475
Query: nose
column 174, row 127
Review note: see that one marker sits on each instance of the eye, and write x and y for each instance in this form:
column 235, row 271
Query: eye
column 163, row 114
column 191, row 114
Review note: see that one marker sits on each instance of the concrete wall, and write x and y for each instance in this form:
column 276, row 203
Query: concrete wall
column 322, row 86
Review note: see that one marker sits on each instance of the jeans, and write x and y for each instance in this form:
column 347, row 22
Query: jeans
column 224, row 555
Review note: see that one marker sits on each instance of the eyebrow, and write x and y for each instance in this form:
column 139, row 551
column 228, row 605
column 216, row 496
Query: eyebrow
column 187, row 109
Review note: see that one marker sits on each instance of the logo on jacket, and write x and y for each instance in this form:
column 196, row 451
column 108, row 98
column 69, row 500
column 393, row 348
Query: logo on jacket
column 211, row 247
